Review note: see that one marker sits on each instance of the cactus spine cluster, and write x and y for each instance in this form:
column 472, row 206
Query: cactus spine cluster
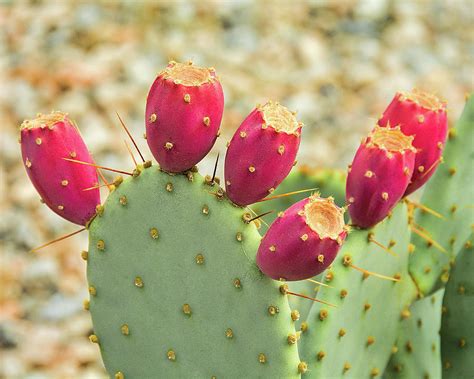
column 182, row 283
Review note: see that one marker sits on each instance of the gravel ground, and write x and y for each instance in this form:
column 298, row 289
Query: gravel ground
column 338, row 63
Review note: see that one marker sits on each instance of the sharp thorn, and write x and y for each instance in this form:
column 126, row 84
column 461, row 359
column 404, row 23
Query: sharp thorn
column 131, row 138
column 419, row 227
column 94, row 187
column 373, row 240
column 57, row 240
column 319, row 283
column 215, row 169
column 104, row 180
column 97, row 166
column 130, row 153
column 428, row 239
column 255, row 213
column 286, row 194
column 310, row 298
column 439, row 160
column 374, row 274
column 427, row 209
column 258, row 216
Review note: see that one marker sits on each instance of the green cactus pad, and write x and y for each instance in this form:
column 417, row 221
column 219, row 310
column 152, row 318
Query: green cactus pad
column 355, row 339
column 175, row 291
column 449, row 193
column 417, row 350
column 457, row 332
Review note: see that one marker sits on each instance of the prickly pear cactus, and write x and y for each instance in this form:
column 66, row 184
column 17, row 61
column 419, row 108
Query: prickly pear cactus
column 449, row 193
column 457, row 334
column 176, row 285
column 416, row 354
column 351, row 340
column 176, row 292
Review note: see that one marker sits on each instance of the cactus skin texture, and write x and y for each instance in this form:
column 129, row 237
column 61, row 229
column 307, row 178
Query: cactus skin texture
column 457, row 333
column 183, row 115
column 261, row 153
column 45, row 141
column 303, row 241
column 169, row 299
column 416, row 353
column 379, row 175
column 449, row 193
column 355, row 339
column 424, row 117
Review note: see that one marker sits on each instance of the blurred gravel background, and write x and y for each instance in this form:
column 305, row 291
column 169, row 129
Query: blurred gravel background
column 338, row 63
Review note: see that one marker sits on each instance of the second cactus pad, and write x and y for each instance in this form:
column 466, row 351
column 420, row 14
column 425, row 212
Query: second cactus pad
column 450, row 193
column 416, row 353
column 457, row 334
column 175, row 291
column 354, row 339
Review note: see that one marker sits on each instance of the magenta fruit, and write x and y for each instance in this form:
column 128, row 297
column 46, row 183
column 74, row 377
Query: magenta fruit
column 45, row 141
column 261, row 153
column 303, row 241
column 424, row 117
column 379, row 175
column 183, row 115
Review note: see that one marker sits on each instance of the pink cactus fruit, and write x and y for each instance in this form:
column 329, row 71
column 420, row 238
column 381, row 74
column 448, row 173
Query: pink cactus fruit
column 303, row 241
column 261, row 153
column 183, row 115
column 423, row 116
column 45, row 141
column 379, row 175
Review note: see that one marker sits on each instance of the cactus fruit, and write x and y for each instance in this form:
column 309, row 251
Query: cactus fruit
column 183, row 115
column 261, row 153
column 424, row 117
column 329, row 182
column 438, row 239
column 303, row 241
column 45, row 141
column 379, row 175
column 416, row 354
column 355, row 338
column 457, row 333
column 170, row 299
